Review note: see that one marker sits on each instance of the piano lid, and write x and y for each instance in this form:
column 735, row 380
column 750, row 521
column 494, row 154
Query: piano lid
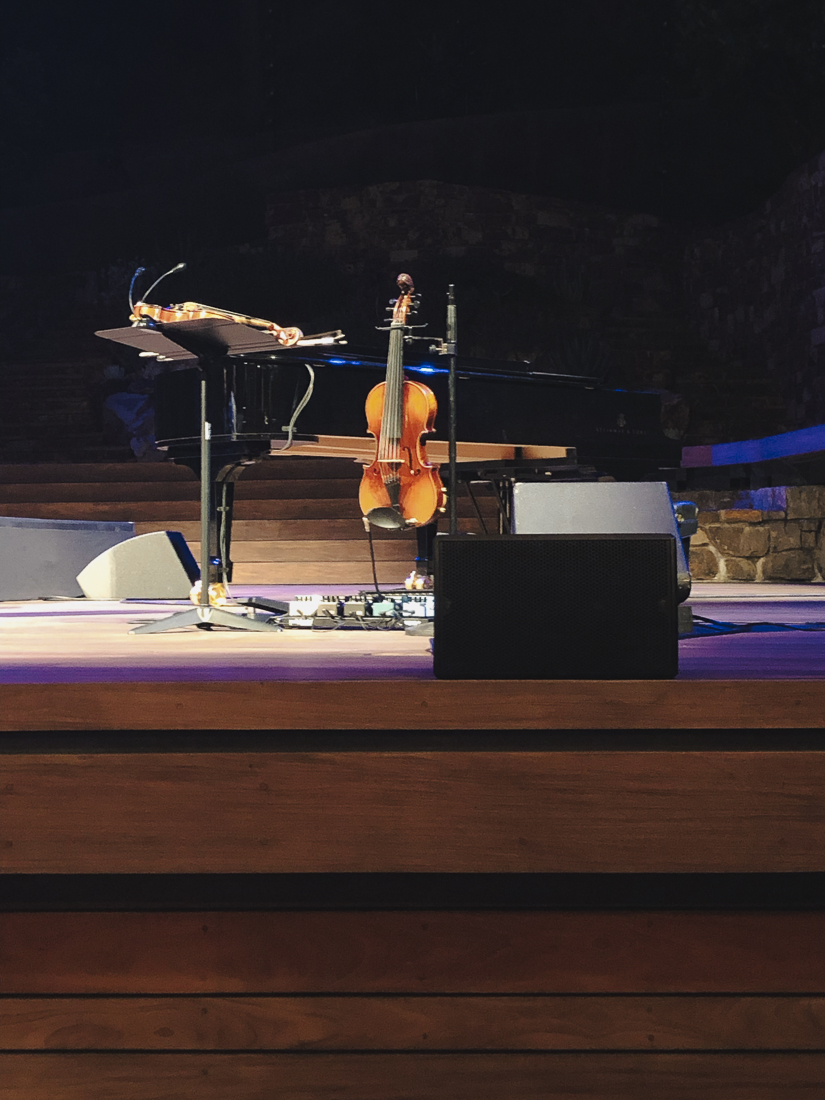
column 418, row 360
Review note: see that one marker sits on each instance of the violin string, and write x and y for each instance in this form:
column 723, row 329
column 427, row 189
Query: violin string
column 392, row 413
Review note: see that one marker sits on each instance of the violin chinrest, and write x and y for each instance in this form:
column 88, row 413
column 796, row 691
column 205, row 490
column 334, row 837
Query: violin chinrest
column 390, row 518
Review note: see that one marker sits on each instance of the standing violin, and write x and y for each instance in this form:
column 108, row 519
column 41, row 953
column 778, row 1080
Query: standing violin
column 400, row 488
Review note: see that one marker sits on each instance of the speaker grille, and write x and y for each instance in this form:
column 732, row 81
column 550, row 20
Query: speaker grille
column 555, row 607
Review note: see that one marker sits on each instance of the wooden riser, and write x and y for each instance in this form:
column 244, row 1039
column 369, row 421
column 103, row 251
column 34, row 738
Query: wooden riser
column 412, row 1005
column 590, row 1076
column 492, row 953
column 401, row 704
column 306, row 550
column 176, row 511
column 345, row 562
column 281, row 530
column 323, row 573
column 119, row 492
column 297, row 530
column 100, row 473
column 304, row 512
column 412, row 812
column 414, row 1023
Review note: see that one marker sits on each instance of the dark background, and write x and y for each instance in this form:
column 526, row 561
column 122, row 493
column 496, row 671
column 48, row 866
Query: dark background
column 733, row 88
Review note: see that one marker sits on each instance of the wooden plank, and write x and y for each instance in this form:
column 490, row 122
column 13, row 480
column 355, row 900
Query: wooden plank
column 449, row 812
column 471, row 952
column 154, row 491
column 289, row 466
column 307, row 702
column 413, row 1023
column 173, row 511
column 288, row 530
column 323, row 572
column 305, row 550
column 327, row 530
column 273, row 469
column 29, row 496
column 307, row 1076
column 50, row 473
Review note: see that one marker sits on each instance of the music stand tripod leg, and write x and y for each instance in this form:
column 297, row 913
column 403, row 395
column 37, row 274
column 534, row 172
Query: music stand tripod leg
column 205, row 618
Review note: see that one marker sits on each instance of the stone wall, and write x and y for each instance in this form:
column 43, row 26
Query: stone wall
column 775, row 534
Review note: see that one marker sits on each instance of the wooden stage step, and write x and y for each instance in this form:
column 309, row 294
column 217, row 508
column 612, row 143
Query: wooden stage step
column 175, row 511
column 122, row 805
column 294, row 516
column 281, row 1001
column 414, row 1023
column 318, row 1075
column 191, row 699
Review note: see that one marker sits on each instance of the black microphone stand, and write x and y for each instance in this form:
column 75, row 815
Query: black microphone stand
column 451, row 349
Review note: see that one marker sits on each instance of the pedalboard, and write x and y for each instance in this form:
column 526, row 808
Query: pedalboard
column 364, row 611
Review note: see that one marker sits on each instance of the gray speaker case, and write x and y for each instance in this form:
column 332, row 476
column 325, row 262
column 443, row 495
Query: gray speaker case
column 42, row 557
column 599, row 508
column 156, row 566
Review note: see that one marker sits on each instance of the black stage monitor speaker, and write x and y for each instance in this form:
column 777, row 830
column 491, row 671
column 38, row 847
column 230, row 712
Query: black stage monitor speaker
column 549, row 607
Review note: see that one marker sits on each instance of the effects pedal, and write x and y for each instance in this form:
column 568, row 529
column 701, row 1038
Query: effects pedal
column 313, row 612
column 366, row 610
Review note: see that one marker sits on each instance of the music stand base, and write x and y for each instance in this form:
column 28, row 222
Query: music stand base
column 205, row 618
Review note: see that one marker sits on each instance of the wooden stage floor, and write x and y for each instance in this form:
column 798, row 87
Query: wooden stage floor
column 72, row 664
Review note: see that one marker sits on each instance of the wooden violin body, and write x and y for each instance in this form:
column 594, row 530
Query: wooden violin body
column 420, row 492
column 195, row 311
column 400, row 488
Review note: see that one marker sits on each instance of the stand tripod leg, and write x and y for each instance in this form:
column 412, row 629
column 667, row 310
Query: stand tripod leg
column 205, row 618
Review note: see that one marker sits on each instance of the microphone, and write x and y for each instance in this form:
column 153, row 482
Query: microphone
column 452, row 322
column 138, row 271
column 171, row 271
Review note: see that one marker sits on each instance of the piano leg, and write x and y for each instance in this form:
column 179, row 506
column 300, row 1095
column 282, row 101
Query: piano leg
column 223, row 525
column 224, row 478
column 227, row 466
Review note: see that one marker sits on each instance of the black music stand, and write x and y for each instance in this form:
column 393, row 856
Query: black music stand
column 203, row 615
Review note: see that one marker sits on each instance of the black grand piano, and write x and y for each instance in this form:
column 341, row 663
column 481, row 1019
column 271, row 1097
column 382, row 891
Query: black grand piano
column 505, row 410
column 499, row 403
